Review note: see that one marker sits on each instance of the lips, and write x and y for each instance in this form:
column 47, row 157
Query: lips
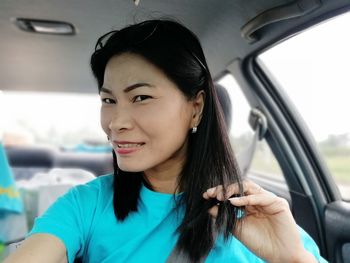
column 127, row 144
column 126, row 147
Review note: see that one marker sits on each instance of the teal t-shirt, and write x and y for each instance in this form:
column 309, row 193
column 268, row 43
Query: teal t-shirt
column 84, row 220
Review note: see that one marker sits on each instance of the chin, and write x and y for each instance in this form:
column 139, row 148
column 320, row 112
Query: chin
column 130, row 168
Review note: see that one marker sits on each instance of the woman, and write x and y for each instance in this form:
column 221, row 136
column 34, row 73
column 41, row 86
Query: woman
column 176, row 194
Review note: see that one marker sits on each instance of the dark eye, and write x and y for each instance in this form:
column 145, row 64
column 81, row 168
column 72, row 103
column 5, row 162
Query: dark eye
column 141, row 98
column 107, row 101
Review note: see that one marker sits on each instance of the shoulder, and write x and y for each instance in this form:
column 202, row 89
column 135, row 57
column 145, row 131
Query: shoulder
column 100, row 185
column 72, row 216
column 101, row 182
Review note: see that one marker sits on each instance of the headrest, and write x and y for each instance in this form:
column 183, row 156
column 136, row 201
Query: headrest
column 225, row 103
column 37, row 156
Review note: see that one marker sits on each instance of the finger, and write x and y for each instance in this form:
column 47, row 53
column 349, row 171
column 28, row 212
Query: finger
column 218, row 192
column 232, row 189
column 249, row 187
column 206, row 195
column 269, row 202
column 209, row 192
column 214, row 211
column 256, row 200
column 212, row 192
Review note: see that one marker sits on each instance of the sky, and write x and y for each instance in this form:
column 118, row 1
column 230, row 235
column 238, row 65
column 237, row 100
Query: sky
column 313, row 69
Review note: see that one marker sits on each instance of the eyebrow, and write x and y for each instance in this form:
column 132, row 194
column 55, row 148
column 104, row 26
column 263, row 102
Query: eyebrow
column 127, row 89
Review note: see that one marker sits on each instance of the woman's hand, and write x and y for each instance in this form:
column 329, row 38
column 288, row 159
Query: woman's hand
column 268, row 228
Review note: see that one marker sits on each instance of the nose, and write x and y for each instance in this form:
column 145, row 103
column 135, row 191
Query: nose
column 121, row 120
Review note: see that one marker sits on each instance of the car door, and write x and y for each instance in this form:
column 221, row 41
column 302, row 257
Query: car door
column 310, row 181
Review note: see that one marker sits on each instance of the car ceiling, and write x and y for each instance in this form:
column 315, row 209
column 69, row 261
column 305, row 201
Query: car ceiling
column 42, row 62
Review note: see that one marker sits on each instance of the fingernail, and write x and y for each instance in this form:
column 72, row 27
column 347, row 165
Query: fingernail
column 234, row 199
column 211, row 190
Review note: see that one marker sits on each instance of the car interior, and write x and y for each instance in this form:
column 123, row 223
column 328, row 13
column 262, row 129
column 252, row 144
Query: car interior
column 46, row 46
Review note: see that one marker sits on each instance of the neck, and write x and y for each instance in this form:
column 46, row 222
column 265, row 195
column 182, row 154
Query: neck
column 164, row 179
column 161, row 185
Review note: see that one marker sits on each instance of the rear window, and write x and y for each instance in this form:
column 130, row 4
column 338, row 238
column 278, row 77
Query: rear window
column 65, row 120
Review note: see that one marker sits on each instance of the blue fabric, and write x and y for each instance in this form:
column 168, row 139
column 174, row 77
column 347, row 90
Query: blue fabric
column 10, row 199
column 83, row 219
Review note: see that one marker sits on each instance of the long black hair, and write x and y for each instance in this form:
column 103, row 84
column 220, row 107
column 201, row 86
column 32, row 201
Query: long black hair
column 210, row 161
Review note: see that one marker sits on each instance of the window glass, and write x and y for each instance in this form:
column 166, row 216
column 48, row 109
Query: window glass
column 43, row 131
column 56, row 119
column 313, row 69
column 241, row 134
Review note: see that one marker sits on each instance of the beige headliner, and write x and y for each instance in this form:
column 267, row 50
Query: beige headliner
column 61, row 63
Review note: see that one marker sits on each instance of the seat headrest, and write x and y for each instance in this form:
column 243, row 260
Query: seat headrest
column 20, row 156
column 225, row 103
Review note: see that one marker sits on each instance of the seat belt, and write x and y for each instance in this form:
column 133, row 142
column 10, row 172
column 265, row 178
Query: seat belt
column 180, row 257
column 258, row 122
column 177, row 256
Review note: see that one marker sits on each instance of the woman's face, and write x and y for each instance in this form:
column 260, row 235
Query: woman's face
column 145, row 115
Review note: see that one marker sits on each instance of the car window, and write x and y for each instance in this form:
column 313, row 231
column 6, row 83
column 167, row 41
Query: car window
column 313, row 70
column 42, row 131
column 241, row 134
column 58, row 119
